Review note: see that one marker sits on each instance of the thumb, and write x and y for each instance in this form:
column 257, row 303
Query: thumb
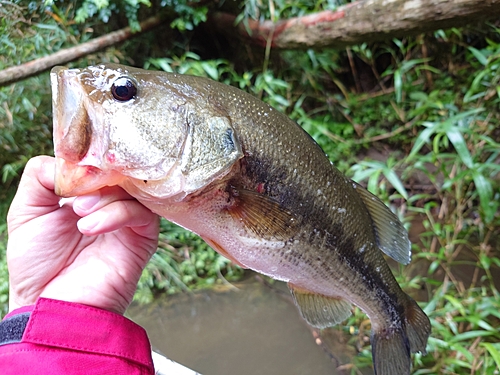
column 35, row 195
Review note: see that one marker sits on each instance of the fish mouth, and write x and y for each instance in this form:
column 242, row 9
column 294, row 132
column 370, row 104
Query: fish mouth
column 79, row 168
column 68, row 112
column 72, row 179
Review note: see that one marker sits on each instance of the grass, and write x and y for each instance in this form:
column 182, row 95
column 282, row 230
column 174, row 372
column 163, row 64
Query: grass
column 417, row 123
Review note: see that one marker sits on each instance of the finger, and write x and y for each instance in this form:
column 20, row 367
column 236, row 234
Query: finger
column 119, row 214
column 88, row 203
column 38, row 180
column 35, row 195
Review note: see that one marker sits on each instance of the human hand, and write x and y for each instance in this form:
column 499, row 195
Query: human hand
column 91, row 250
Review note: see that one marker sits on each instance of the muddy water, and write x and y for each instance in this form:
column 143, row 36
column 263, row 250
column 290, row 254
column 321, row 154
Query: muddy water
column 249, row 330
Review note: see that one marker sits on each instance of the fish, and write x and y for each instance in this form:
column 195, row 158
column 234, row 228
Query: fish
column 250, row 182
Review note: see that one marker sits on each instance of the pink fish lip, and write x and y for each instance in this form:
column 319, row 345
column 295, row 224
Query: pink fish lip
column 73, row 179
column 70, row 178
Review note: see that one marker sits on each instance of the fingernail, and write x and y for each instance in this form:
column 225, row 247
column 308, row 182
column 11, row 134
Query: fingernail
column 88, row 223
column 86, row 202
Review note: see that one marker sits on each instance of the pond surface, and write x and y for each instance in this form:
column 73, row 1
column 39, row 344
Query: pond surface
column 248, row 329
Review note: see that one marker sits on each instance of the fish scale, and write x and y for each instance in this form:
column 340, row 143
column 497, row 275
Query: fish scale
column 252, row 183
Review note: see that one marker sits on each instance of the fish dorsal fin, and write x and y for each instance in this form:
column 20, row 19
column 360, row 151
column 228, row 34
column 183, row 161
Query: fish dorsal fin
column 391, row 235
column 262, row 215
column 318, row 310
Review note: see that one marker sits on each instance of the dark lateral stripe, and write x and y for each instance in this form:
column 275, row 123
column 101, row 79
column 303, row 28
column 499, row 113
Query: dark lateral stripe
column 359, row 263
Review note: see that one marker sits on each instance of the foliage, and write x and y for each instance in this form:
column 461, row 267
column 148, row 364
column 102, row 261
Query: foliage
column 456, row 148
column 280, row 9
column 188, row 14
column 21, row 137
column 416, row 122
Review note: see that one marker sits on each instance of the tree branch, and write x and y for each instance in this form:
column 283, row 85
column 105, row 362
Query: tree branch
column 31, row 68
column 359, row 22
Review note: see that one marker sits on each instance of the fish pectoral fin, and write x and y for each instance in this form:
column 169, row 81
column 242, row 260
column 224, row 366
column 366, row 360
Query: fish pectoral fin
column 318, row 310
column 391, row 235
column 262, row 215
column 214, row 245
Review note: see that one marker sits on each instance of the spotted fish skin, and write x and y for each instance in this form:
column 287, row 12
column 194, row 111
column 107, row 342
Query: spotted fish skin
column 250, row 182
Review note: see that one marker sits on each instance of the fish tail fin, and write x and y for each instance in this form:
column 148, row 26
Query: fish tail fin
column 391, row 352
column 418, row 327
column 391, row 347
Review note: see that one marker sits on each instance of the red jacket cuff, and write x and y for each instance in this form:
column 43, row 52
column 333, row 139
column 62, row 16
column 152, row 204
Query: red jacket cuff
column 81, row 327
column 19, row 310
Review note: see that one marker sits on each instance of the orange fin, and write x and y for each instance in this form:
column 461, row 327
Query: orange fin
column 214, row 245
column 392, row 237
column 263, row 216
column 318, row 310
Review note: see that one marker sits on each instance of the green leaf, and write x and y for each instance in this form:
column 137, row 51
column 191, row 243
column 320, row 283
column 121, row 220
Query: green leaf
column 393, row 178
column 423, row 138
column 470, row 335
column 398, row 85
column 373, row 181
column 479, row 56
column 361, row 174
column 485, row 192
column 456, row 304
column 458, row 141
column 494, row 352
column 211, row 71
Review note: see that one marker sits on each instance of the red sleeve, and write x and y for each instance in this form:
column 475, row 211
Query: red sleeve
column 69, row 338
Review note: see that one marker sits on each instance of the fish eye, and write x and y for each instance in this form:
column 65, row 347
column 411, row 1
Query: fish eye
column 123, row 89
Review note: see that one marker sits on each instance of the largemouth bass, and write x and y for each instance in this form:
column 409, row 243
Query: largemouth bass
column 250, row 182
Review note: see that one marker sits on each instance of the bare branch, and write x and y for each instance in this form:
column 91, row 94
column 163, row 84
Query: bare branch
column 359, row 22
column 31, row 68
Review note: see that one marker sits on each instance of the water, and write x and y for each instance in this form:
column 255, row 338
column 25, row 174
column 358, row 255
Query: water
column 250, row 330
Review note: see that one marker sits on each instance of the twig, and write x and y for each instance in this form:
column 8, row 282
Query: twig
column 384, row 91
column 354, row 70
column 34, row 67
column 406, row 126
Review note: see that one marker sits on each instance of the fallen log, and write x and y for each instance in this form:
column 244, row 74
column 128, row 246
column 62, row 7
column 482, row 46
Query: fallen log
column 359, row 22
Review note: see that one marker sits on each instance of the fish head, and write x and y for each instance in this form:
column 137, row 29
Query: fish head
column 146, row 131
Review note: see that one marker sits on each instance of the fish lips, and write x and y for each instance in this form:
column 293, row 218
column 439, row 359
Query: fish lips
column 67, row 110
column 73, row 180
column 77, row 170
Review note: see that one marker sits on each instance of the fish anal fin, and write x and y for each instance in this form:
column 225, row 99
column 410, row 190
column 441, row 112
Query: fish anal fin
column 262, row 215
column 318, row 310
column 391, row 235
column 214, row 245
